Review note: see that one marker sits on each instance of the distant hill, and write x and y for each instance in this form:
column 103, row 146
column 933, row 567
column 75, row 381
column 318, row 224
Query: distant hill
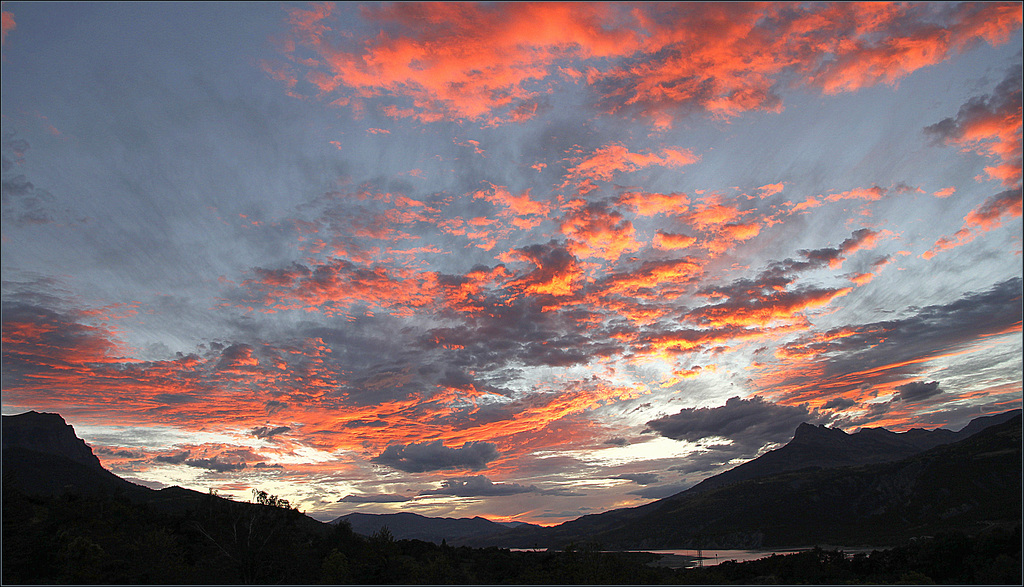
column 410, row 526
column 969, row 484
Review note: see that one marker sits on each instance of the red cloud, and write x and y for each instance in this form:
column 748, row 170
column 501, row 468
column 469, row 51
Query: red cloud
column 671, row 241
column 493, row 62
column 989, row 215
column 335, row 286
column 6, row 25
column 778, row 307
column 990, row 125
column 653, row 204
column 460, row 60
column 606, row 162
column 595, row 231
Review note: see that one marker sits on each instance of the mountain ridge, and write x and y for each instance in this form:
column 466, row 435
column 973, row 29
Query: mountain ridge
column 972, row 483
column 66, row 463
column 823, row 447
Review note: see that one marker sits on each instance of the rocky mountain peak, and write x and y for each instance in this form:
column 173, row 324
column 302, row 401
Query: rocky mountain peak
column 47, row 433
column 809, row 433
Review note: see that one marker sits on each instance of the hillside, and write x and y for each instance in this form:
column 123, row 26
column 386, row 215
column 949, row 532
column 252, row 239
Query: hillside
column 409, row 526
column 967, row 485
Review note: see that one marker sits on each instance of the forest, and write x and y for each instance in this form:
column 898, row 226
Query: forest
column 108, row 539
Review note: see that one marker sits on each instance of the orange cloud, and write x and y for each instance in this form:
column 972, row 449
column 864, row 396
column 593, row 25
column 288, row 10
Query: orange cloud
column 990, row 125
column 655, row 279
column 770, row 189
column 336, row 286
column 455, row 60
column 653, row 204
column 6, row 25
column 607, row 162
column 671, row 241
column 556, row 272
column 493, row 62
column 988, row 216
column 595, row 231
column 513, row 205
column 785, row 307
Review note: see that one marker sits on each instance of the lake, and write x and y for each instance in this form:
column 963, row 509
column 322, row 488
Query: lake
column 679, row 558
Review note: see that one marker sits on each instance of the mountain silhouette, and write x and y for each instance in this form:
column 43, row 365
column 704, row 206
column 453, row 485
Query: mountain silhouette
column 824, row 486
column 43, row 456
column 809, row 492
column 410, row 526
column 822, row 447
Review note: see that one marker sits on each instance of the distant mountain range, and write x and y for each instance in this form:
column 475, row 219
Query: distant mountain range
column 825, row 486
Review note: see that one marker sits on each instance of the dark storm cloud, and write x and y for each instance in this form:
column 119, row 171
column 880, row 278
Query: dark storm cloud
column 435, row 456
column 268, row 432
column 617, row 441
column 917, row 390
column 749, row 423
column 478, row 486
column 640, row 478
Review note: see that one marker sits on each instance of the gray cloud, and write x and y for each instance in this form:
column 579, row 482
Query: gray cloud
column 917, row 390
column 478, row 485
column 375, row 498
column 639, row 478
column 434, row 456
column 839, row 403
column 1004, row 101
column 174, row 459
column 274, row 406
column 750, row 423
column 931, row 331
column 267, row 432
column 215, row 464
column 124, row 453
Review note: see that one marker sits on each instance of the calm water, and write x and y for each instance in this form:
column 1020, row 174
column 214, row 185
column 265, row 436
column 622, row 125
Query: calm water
column 688, row 558
column 678, row 558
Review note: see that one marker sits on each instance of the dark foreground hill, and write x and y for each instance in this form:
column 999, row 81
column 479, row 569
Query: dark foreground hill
column 968, row 485
column 406, row 525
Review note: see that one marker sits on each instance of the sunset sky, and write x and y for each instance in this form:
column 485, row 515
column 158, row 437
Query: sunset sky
column 523, row 261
